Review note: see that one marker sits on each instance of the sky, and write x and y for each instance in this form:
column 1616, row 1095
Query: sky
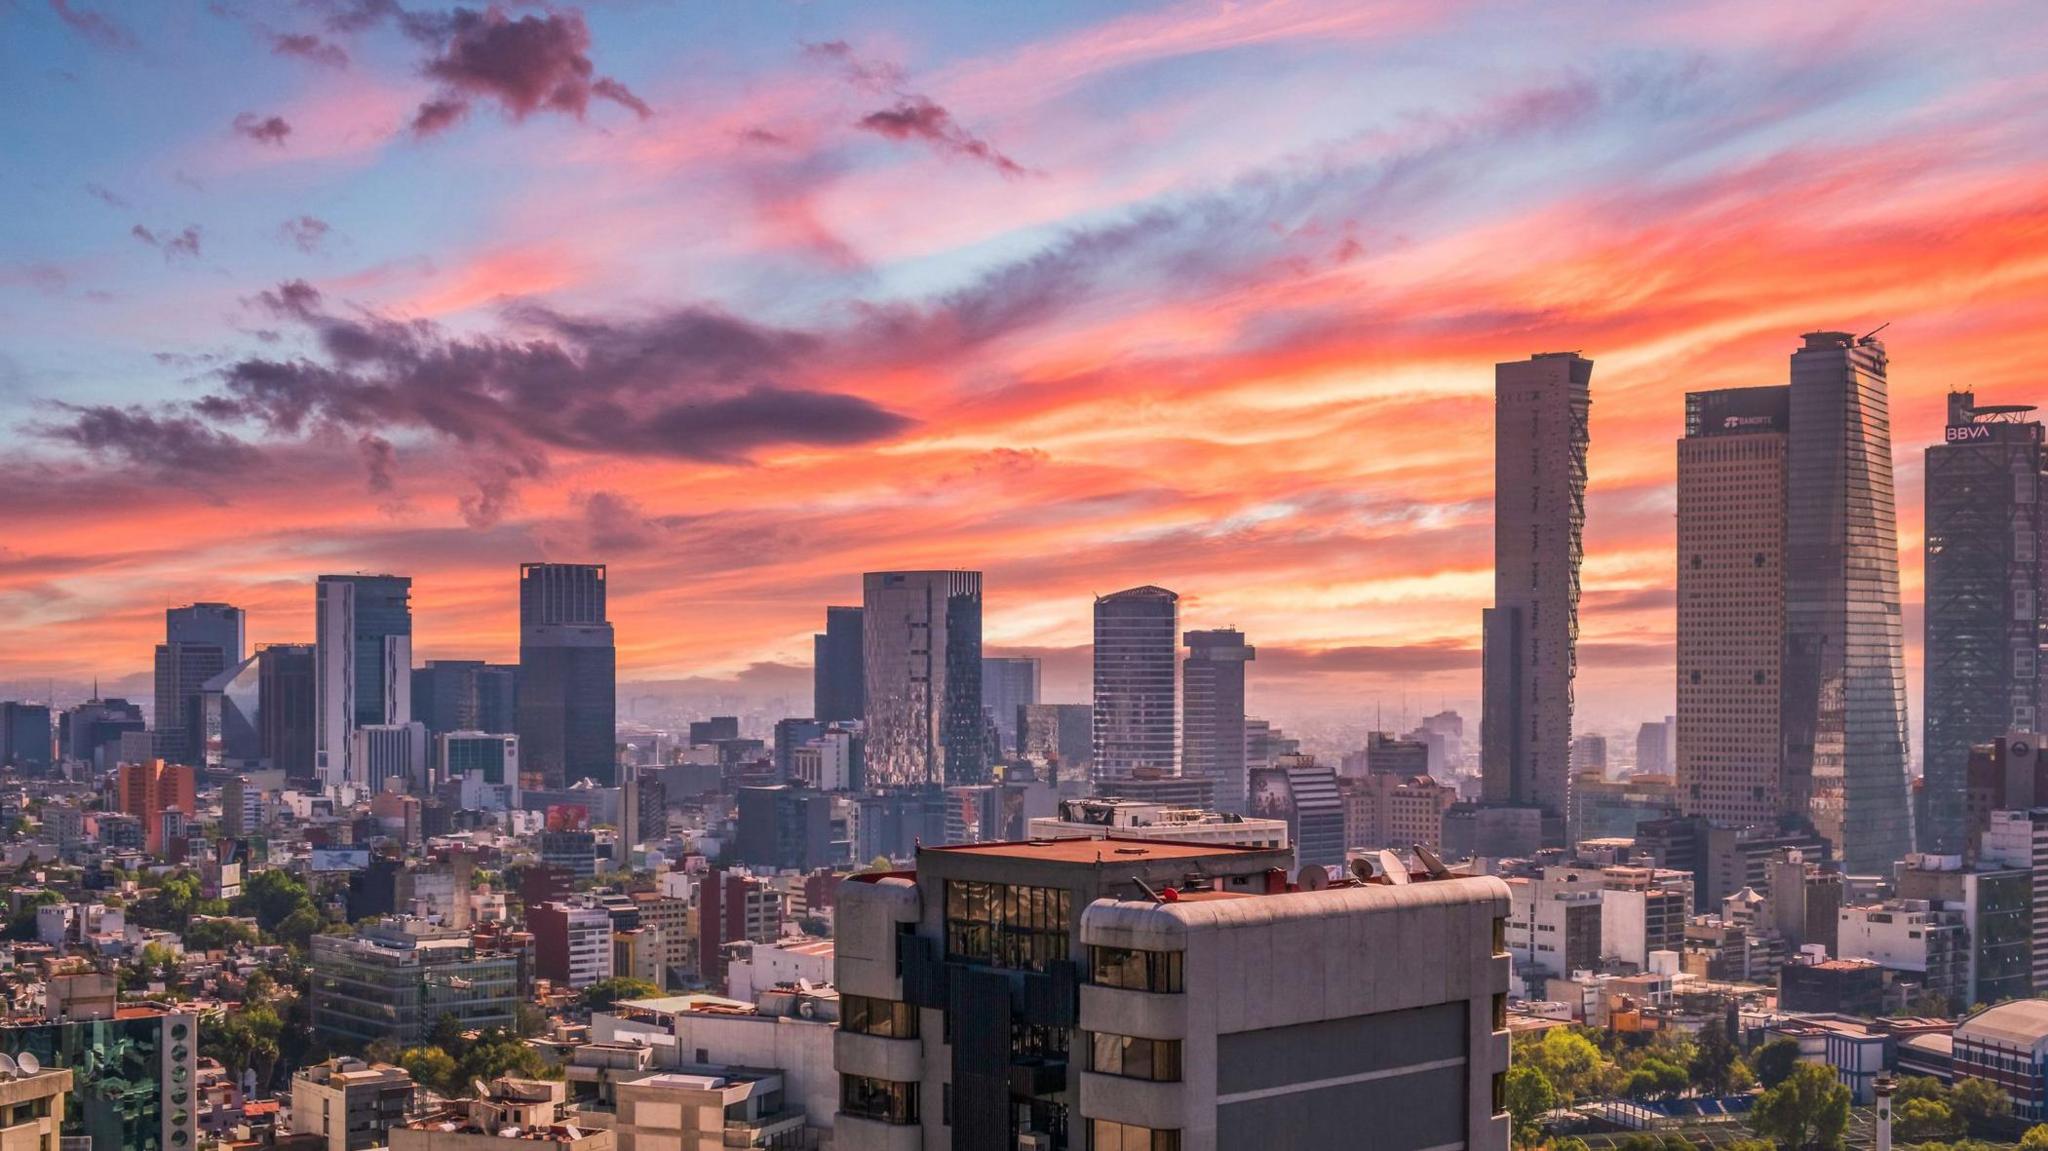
column 746, row 299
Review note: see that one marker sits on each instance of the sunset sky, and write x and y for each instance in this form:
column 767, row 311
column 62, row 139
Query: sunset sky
column 746, row 298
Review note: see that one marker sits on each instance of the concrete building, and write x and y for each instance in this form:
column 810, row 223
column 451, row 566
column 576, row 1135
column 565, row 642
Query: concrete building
column 1553, row 927
column 1109, row 818
column 1985, row 509
column 784, row 827
column 1731, row 604
column 700, row 1108
column 734, row 907
column 487, row 764
column 1387, row 810
column 1914, row 937
column 1241, row 1014
column 1137, row 702
column 351, row 1104
column 1303, row 794
column 572, row 943
column 159, row 794
column 528, row 1111
column 1212, row 713
column 1995, row 905
column 1541, row 412
column 2007, row 1046
column 2018, row 840
column 32, row 1110
column 1844, row 673
column 362, row 665
column 1589, row 756
column 799, row 958
column 791, row 1031
column 922, row 676
column 383, row 752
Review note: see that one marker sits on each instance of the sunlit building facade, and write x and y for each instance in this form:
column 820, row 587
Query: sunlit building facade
column 921, row 652
column 1137, row 714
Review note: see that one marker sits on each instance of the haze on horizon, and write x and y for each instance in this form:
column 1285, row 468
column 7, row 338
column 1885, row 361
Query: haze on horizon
column 745, row 301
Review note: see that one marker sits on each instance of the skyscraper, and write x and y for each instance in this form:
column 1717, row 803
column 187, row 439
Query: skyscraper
column 1137, row 720
column 287, row 707
column 1212, row 712
column 201, row 640
column 1984, row 624
column 1541, row 411
column 568, row 675
column 922, row 670
column 837, row 675
column 1731, row 606
column 363, row 664
column 1844, row 673
column 1008, row 683
column 466, row 695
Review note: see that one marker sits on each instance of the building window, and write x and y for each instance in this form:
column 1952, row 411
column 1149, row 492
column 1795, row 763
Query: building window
column 1006, row 925
column 1133, row 1057
column 1135, row 970
column 1500, row 1011
column 1104, row 1135
column 878, row 1099
column 884, row 1018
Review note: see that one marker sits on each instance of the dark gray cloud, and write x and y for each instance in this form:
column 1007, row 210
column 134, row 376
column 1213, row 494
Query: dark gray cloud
column 306, row 233
column 922, row 118
column 106, row 195
column 307, row 46
column 94, row 26
column 380, row 461
column 270, row 130
column 871, row 75
column 167, row 444
column 183, row 244
column 525, row 64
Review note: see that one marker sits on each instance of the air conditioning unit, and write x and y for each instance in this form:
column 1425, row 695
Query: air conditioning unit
column 1033, row 1141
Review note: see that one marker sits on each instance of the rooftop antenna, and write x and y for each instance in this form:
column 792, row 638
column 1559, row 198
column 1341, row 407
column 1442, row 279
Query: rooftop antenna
column 1867, row 336
column 1142, row 886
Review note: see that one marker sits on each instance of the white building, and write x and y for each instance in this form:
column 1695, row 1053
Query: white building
column 792, row 1033
column 784, row 961
column 381, row 752
column 358, row 618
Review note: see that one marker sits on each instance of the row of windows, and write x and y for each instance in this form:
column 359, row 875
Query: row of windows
column 882, row 1100
column 1006, row 925
column 1105, row 1135
column 1135, row 970
column 885, row 1018
column 1134, row 1057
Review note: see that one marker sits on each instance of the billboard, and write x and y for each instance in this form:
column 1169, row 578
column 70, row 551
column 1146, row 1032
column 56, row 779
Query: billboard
column 1735, row 411
column 340, row 858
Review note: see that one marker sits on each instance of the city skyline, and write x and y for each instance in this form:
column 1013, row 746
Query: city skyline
column 1296, row 417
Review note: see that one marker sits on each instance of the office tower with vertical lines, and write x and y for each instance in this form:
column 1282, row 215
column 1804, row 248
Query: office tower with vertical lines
column 568, row 675
column 922, row 675
column 1137, row 719
column 362, row 666
column 1731, row 605
column 1009, row 683
column 837, row 675
column 1844, row 673
column 1541, row 410
column 1212, row 712
column 1985, row 494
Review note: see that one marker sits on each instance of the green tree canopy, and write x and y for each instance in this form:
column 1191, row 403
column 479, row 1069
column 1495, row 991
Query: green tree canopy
column 1530, row 1096
column 431, row 1067
column 1774, row 1061
column 1922, row 1120
column 217, row 934
column 1808, row 1109
column 606, row 993
column 1980, row 1105
column 2036, row 1138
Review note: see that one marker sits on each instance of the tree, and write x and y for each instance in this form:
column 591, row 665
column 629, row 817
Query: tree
column 1775, row 1060
column 2036, row 1138
column 1807, row 1109
column 1922, row 1120
column 1530, row 1096
column 272, row 896
column 1569, row 1143
column 1716, row 1065
column 1981, row 1106
column 1929, row 1003
column 1569, row 1060
column 23, row 926
column 497, row 1053
column 431, row 1067
column 606, row 993
column 217, row 934
column 299, row 928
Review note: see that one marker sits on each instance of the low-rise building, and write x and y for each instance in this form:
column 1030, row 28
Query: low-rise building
column 395, row 978
column 2007, row 1046
column 528, row 1111
column 1113, row 818
column 350, row 1103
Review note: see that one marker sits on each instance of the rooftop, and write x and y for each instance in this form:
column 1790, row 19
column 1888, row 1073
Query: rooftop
column 1086, row 849
column 2022, row 1023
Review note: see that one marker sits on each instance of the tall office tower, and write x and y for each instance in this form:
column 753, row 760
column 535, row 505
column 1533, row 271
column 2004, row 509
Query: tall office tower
column 1137, row 720
column 287, row 708
column 362, row 666
column 25, row 735
column 1008, row 683
column 182, row 670
column 1845, row 678
column 1541, row 408
column 837, row 674
column 466, row 695
column 1589, row 755
column 921, row 659
column 1731, row 607
column 218, row 624
column 1985, row 517
column 1212, row 712
column 568, row 675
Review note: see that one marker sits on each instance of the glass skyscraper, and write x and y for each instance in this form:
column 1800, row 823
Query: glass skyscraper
column 1007, row 684
column 1212, row 713
column 1984, row 624
column 1844, row 674
column 363, row 666
column 1137, row 701
column 922, row 667
column 568, row 675
column 837, row 671
column 201, row 640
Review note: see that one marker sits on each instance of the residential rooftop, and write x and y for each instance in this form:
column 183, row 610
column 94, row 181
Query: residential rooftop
column 1088, row 849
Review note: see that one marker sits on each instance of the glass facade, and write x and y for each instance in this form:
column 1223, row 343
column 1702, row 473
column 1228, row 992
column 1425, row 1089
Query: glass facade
column 1134, row 1057
column 1006, row 925
column 568, row 703
column 1845, row 682
column 884, row 1018
column 1137, row 702
column 131, row 1078
column 1135, row 970
column 837, row 677
column 881, row 1100
column 389, row 983
column 1212, row 720
column 285, row 713
column 921, row 657
column 1104, row 1135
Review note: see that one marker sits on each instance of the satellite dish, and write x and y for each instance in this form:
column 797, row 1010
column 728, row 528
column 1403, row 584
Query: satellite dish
column 482, row 1091
column 8, row 1069
column 28, row 1063
column 1395, row 870
column 1361, row 868
column 1313, row 878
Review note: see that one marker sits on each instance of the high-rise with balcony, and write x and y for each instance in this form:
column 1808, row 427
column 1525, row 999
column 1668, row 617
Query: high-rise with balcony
column 1844, row 673
column 1731, row 605
column 568, row 675
column 921, row 655
column 1985, row 495
column 1212, row 712
column 1137, row 704
column 362, row 666
column 1541, row 410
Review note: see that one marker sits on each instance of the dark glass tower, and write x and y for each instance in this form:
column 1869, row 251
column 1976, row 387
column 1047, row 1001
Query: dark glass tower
column 1984, row 627
column 285, row 707
column 838, row 680
column 1844, row 674
column 568, row 675
column 200, row 641
column 1212, row 712
column 466, row 695
column 922, row 659
column 1008, row 685
column 1542, row 408
column 1137, row 702
column 362, row 665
